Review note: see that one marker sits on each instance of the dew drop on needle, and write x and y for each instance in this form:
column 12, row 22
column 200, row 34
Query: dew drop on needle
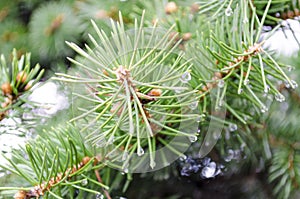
column 84, row 182
column 228, row 11
column 209, row 170
column 279, row 97
column 185, row 77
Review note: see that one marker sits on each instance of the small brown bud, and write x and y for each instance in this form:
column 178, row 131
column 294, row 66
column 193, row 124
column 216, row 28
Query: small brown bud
column 218, row 75
column 22, row 76
column 171, row 7
column 204, row 88
column 290, row 14
column 85, row 160
column 6, row 88
column 214, row 78
column 284, row 15
column 155, row 92
column 210, row 86
column 20, row 195
column 186, row 36
column 101, row 14
column 105, row 72
column 195, row 8
column 174, row 35
column 5, row 104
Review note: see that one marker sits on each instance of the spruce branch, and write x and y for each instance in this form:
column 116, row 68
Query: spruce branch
column 18, row 79
column 131, row 85
column 55, row 162
column 145, row 93
column 238, row 58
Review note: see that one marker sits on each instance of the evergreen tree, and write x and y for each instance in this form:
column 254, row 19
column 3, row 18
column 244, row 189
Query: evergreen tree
column 162, row 95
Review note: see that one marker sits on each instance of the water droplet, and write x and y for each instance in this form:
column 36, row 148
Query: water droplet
column 265, row 95
column 199, row 118
column 277, row 14
column 228, row 11
column 140, row 151
column 195, row 168
column 267, row 89
column 237, row 155
column 230, row 155
column 246, row 117
column 184, row 172
column 289, row 68
column 232, row 127
column 209, row 170
column 84, row 182
column 198, row 131
column 264, row 109
column 221, row 83
column 126, row 170
column 207, row 143
column 287, row 84
column 216, row 135
column 246, row 82
column 182, row 157
column 99, row 196
column 206, row 161
column 193, row 105
column 221, row 102
column 152, row 164
column 245, row 20
column 178, row 90
column 185, row 77
column 124, row 156
column 279, row 97
column 294, row 84
column 193, row 138
column 243, row 145
column 240, row 91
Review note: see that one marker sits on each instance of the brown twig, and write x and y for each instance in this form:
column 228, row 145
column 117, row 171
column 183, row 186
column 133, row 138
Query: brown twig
column 41, row 189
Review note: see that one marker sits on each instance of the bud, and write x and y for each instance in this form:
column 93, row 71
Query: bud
column 20, row 195
column 6, row 88
column 155, row 92
column 22, row 76
column 195, row 8
column 105, row 72
column 171, row 7
column 85, row 160
column 186, row 36
column 101, row 14
column 218, row 75
column 174, row 35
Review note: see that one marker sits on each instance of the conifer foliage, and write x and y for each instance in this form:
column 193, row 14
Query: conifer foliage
column 161, row 90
